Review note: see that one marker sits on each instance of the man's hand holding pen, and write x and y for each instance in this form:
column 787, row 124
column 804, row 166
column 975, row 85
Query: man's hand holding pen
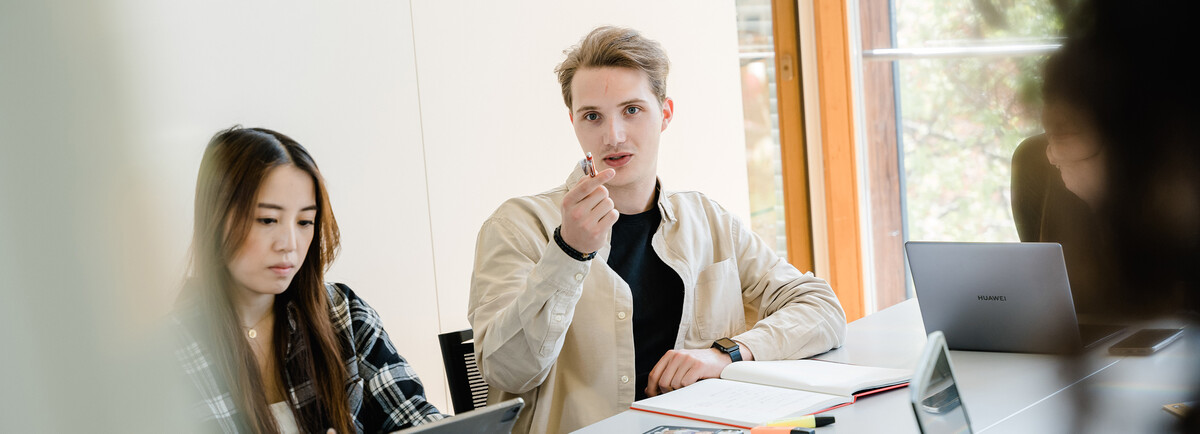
column 588, row 213
column 589, row 166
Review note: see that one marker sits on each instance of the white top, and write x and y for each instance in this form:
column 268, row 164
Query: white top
column 284, row 418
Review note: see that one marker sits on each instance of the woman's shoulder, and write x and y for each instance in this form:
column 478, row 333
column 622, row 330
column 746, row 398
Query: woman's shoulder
column 186, row 319
column 341, row 294
column 1030, row 154
column 347, row 307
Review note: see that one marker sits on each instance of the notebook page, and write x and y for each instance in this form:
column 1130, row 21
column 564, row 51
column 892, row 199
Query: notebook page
column 737, row 403
column 815, row 375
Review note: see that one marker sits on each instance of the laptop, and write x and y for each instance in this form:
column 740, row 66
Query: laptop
column 496, row 418
column 1006, row 297
column 933, row 391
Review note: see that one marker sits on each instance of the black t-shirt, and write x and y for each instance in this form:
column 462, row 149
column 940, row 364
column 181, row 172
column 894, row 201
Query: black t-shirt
column 657, row 290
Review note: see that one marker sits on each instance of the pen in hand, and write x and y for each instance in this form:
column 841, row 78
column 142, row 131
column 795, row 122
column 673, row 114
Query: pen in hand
column 589, row 168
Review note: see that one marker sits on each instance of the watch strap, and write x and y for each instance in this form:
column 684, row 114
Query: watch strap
column 734, row 352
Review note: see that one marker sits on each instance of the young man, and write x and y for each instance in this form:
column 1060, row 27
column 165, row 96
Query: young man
column 610, row 288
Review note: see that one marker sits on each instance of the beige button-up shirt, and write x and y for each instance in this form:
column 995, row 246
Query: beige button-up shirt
column 559, row 332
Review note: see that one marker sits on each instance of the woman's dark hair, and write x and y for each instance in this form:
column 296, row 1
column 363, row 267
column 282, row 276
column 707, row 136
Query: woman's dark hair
column 235, row 164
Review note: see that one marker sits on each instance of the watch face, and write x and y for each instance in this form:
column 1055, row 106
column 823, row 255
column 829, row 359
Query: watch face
column 726, row 344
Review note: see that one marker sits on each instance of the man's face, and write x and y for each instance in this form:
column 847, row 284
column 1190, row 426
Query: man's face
column 619, row 120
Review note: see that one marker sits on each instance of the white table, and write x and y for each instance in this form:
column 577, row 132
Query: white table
column 1002, row 392
column 1126, row 397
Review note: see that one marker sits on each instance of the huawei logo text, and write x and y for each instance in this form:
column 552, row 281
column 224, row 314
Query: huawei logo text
column 992, row 298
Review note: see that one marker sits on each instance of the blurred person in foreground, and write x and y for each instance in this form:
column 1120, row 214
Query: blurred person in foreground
column 611, row 288
column 1138, row 87
column 1057, row 187
column 269, row 344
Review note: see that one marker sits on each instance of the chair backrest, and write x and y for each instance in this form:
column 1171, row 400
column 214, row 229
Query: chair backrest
column 468, row 391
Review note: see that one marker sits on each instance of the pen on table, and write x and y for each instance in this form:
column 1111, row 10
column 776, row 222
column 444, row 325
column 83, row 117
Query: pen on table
column 809, row 421
column 782, row 430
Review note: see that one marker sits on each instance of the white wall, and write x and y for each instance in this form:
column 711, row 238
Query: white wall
column 423, row 117
column 339, row 80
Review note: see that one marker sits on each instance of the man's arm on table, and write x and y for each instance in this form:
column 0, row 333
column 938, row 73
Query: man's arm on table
column 798, row 315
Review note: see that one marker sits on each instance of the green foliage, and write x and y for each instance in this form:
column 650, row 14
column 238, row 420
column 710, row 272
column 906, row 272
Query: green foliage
column 963, row 117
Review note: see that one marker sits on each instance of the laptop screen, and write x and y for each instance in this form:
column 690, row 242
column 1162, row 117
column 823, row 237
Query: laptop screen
column 936, row 402
column 1009, row 297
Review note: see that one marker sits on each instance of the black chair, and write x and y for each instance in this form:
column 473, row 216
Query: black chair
column 468, row 391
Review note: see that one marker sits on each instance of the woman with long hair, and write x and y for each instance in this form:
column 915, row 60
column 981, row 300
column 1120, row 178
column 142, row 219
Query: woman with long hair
column 270, row 346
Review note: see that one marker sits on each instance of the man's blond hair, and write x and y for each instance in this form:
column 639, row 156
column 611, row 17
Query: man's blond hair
column 609, row 46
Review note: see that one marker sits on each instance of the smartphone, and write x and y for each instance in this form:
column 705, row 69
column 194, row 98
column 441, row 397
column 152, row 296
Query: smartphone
column 1145, row 342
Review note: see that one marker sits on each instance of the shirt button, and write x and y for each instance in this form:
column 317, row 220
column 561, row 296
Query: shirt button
column 558, row 317
column 620, row 315
column 578, row 276
column 624, row 378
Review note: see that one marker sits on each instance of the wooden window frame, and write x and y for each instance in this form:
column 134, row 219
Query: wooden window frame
column 831, row 63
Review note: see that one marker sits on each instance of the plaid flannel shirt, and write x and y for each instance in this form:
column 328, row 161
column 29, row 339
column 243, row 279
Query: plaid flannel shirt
column 395, row 398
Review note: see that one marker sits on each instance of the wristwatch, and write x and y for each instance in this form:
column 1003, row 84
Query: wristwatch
column 728, row 346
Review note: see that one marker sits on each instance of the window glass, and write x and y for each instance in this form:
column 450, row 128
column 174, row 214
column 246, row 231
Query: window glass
column 961, row 117
column 756, row 49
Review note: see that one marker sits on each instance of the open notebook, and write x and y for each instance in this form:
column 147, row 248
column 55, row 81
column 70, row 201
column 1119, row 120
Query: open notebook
column 750, row 394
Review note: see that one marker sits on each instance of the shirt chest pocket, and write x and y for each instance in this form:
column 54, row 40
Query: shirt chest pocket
column 718, row 307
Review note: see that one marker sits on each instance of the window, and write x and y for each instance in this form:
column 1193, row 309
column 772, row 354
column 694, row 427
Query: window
column 756, row 50
column 949, row 90
column 777, row 163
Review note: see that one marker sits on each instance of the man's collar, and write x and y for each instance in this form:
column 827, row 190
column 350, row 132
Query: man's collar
column 663, row 204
